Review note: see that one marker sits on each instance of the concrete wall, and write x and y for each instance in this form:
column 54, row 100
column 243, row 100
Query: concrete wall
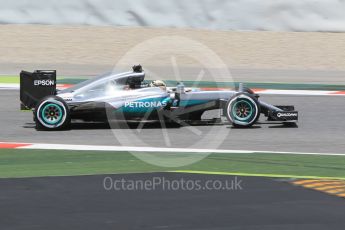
column 275, row 15
column 251, row 56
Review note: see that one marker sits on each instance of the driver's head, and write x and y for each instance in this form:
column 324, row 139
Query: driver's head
column 158, row 83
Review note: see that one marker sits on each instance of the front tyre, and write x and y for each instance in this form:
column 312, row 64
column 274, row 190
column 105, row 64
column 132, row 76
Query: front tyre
column 52, row 113
column 242, row 110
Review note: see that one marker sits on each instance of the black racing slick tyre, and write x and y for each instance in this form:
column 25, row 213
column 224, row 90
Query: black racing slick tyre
column 52, row 113
column 242, row 110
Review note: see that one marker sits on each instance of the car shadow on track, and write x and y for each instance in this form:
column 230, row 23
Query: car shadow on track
column 123, row 125
column 154, row 125
column 252, row 127
column 104, row 125
column 282, row 126
column 270, row 125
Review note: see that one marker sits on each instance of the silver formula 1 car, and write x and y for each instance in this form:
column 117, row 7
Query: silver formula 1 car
column 127, row 96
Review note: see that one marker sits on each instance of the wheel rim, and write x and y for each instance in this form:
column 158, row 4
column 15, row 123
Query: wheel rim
column 52, row 114
column 242, row 110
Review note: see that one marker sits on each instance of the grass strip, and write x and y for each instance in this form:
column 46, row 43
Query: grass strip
column 16, row 163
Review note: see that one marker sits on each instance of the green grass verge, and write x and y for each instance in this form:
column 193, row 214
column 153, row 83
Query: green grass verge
column 61, row 80
column 275, row 165
column 36, row 163
column 9, row 79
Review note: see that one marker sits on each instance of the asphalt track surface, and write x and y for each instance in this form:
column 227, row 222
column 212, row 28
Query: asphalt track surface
column 83, row 203
column 320, row 129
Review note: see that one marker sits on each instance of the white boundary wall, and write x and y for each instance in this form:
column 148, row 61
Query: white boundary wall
column 276, row 15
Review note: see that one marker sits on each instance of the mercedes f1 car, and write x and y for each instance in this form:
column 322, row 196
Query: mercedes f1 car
column 127, row 96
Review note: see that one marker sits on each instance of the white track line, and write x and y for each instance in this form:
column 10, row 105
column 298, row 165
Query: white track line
column 155, row 149
column 300, row 92
column 15, row 86
column 9, row 86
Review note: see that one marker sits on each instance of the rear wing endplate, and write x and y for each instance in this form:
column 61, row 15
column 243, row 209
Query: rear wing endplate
column 36, row 85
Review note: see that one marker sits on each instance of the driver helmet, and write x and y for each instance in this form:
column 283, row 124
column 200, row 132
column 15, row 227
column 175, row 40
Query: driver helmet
column 158, row 83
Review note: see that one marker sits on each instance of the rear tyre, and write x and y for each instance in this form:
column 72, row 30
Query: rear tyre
column 52, row 113
column 242, row 110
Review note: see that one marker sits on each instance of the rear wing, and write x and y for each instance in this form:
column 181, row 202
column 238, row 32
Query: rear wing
column 36, row 85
